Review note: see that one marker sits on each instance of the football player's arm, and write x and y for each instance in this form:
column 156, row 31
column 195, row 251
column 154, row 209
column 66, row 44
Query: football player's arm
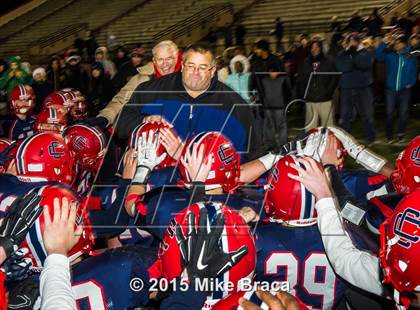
column 359, row 268
column 59, row 236
column 111, row 222
column 55, row 284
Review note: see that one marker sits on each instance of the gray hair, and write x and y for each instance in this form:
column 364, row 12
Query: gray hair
column 167, row 44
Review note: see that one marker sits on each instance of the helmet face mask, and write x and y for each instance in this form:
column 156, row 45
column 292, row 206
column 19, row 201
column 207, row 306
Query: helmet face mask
column 406, row 177
column 22, row 99
column 53, row 119
column 400, row 245
column 225, row 165
column 286, row 200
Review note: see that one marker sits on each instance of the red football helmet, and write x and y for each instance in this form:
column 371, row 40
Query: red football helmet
column 235, row 234
column 287, row 200
column 144, row 128
column 406, row 178
column 4, row 144
column 22, row 99
column 34, row 240
column 400, row 245
column 79, row 110
column 225, row 167
column 51, row 119
column 87, row 145
column 59, row 99
column 45, row 157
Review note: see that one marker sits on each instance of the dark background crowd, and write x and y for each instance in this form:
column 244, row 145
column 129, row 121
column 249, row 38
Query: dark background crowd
column 355, row 70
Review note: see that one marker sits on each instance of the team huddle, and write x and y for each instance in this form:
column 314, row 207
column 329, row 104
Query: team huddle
column 182, row 215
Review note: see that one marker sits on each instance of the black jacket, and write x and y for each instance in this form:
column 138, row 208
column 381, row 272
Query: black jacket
column 321, row 87
column 218, row 109
column 356, row 68
column 125, row 72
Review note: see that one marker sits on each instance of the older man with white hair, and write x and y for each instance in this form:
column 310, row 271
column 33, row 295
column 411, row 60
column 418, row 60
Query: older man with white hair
column 166, row 60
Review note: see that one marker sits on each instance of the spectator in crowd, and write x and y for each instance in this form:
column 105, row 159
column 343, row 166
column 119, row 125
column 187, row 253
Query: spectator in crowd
column 212, row 38
column 240, row 33
column 101, row 55
column 101, row 90
column 79, row 44
column 91, row 45
column 259, row 66
column 302, row 51
column 335, row 25
column 415, row 46
column 276, row 95
column 41, row 86
column 336, row 45
column 278, row 31
column 3, row 95
column 14, row 75
column 26, row 66
column 406, row 23
column 374, row 23
column 394, row 19
column 319, row 71
column 355, row 63
column 54, row 73
column 166, row 60
column 75, row 76
column 129, row 68
column 355, row 23
column 401, row 76
column 222, row 69
column 194, row 100
column 120, row 57
column 238, row 80
column 3, row 66
column 228, row 32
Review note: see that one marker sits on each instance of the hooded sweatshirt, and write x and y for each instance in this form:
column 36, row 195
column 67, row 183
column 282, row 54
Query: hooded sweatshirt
column 108, row 65
column 239, row 81
column 9, row 80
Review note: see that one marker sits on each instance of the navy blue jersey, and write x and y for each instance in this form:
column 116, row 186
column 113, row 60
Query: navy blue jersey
column 380, row 208
column 162, row 204
column 12, row 187
column 297, row 255
column 16, row 129
column 164, row 176
column 103, row 281
column 83, row 181
column 363, row 183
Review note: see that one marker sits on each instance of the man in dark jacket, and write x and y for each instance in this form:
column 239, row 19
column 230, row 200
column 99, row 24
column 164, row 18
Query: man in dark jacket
column 75, row 76
column 316, row 84
column 192, row 101
column 101, row 90
column 355, row 63
column 128, row 69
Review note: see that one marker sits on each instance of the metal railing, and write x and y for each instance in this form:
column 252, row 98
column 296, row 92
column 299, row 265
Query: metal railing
column 33, row 22
column 58, row 35
column 197, row 20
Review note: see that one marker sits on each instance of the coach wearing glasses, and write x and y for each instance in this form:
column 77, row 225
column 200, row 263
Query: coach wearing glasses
column 192, row 100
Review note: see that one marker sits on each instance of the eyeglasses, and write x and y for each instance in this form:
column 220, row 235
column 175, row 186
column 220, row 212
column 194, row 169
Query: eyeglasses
column 202, row 68
column 162, row 60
